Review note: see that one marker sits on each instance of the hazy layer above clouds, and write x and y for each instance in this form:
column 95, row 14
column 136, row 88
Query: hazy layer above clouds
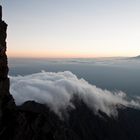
column 108, row 73
column 57, row 89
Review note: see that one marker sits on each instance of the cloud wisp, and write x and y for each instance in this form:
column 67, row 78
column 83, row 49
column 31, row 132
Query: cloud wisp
column 56, row 90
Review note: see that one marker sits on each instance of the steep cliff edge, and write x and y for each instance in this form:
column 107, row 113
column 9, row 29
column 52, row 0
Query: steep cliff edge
column 6, row 100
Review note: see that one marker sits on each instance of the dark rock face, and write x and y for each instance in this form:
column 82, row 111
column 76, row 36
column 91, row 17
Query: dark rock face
column 3, row 57
column 6, row 100
column 4, row 81
column 33, row 121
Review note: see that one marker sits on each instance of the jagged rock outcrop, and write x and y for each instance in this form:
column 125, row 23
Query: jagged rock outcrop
column 3, row 57
column 6, row 100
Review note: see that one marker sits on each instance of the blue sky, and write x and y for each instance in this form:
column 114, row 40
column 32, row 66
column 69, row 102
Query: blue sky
column 72, row 28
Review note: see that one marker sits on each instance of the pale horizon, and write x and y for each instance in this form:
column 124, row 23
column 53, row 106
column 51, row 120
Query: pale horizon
column 72, row 29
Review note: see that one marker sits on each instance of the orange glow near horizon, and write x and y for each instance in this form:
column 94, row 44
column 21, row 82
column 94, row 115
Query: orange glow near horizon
column 72, row 29
column 50, row 55
column 71, row 54
column 73, row 49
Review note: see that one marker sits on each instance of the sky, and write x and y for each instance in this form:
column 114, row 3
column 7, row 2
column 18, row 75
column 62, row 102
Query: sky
column 72, row 28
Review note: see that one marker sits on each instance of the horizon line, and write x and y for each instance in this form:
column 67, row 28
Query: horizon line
column 71, row 57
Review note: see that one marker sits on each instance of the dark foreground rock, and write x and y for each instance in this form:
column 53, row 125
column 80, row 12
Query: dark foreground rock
column 33, row 121
column 6, row 100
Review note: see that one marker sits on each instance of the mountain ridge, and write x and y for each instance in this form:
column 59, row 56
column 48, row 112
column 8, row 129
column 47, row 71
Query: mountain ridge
column 34, row 121
column 136, row 57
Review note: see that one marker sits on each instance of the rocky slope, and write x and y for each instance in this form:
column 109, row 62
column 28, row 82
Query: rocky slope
column 33, row 121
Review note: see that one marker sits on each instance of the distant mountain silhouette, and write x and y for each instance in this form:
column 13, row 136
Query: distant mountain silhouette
column 136, row 57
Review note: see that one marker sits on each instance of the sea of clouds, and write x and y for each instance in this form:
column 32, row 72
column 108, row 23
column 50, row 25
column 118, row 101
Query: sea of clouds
column 56, row 90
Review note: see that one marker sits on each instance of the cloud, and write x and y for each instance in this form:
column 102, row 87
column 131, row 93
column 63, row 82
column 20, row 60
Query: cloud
column 57, row 89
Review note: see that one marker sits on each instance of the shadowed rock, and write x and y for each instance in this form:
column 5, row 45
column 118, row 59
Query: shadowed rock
column 6, row 100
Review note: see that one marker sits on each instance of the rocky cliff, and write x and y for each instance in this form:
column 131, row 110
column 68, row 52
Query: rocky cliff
column 34, row 121
column 6, row 100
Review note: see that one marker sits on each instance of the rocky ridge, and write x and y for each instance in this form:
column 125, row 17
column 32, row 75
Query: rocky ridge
column 6, row 100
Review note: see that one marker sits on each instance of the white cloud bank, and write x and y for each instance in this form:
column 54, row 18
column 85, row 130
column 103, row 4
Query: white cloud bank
column 57, row 89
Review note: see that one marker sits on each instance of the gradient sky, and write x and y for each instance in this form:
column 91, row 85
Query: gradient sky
column 72, row 28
